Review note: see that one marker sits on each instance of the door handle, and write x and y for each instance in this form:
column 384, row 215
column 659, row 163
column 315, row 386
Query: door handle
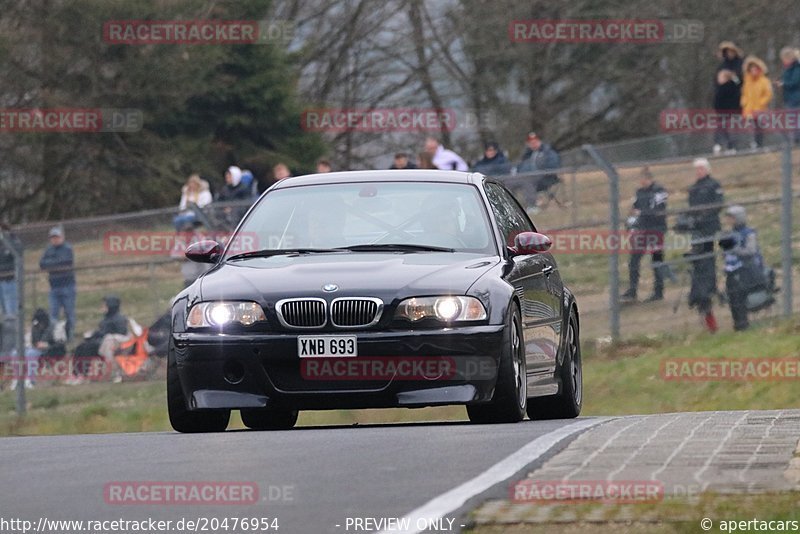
column 547, row 270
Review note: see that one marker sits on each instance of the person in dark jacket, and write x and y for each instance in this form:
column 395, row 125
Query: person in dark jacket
column 43, row 337
column 43, row 345
column 731, row 58
column 790, row 82
column 727, row 93
column 8, row 282
column 704, row 224
column 649, row 213
column 744, row 265
column 234, row 190
column 113, row 325
column 494, row 162
column 113, row 322
column 401, row 161
column 538, row 156
column 726, row 103
column 58, row 260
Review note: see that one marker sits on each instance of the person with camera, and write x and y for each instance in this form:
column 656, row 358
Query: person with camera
column 648, row 215
column 744, row 265
column 703, row 224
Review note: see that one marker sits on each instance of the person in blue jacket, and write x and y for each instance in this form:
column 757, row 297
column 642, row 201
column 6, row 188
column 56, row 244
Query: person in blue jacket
column 58, row 261
column 790, row 82
column 744, row 265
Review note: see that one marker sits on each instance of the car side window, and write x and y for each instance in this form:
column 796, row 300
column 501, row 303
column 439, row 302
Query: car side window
column 508, row 214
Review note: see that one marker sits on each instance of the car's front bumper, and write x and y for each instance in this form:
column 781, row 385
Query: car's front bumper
column 256, row 370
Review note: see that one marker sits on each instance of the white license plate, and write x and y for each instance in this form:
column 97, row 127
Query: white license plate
column 327, row 346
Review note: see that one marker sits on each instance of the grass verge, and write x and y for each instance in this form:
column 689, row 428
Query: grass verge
column 621, row 379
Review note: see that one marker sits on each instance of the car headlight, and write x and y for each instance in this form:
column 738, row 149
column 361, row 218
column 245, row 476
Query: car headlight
column 219, row 314
column 446, row 308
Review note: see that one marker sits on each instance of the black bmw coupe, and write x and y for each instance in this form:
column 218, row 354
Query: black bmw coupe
column 375, row 289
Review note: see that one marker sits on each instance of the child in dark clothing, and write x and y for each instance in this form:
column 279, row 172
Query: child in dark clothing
column 726, row 102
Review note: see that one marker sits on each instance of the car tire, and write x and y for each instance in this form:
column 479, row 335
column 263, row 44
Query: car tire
column 180, row 417
column 510, row 394
column 567, row 403
column 269, row 418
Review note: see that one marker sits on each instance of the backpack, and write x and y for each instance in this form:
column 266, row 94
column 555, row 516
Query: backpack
column 762, row 297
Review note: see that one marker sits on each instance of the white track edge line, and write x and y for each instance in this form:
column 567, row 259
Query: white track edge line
column 455, row 498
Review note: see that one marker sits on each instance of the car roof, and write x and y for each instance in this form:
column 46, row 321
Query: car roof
column 392, row 175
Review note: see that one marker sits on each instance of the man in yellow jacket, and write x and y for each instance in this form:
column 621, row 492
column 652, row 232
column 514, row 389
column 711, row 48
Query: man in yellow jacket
column 756, row 94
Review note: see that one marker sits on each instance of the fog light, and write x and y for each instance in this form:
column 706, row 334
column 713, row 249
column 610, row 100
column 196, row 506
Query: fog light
column 233, row 371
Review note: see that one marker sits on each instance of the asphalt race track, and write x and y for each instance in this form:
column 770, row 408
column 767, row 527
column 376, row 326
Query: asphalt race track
column 313, row 479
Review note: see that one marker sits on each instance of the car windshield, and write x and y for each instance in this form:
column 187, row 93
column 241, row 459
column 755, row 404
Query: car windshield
column 412, row 215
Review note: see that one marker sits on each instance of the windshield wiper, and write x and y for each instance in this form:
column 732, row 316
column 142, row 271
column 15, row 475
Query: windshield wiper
column 396, row 247
column 282, row 252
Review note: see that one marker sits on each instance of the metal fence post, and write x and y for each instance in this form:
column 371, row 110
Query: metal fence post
column 613, row 262
column 151, row 278
column 574, row 194
column 19, row 273
column 786, row 227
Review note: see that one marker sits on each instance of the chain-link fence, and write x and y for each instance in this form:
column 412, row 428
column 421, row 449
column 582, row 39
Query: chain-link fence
column 589, row 201
column 588, row 229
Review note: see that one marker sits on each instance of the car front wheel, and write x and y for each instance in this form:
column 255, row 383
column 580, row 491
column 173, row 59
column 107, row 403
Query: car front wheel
column 180, row 417
column 511, row 392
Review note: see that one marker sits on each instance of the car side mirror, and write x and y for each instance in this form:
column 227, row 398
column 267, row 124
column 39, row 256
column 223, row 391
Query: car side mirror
column 205, row 251
column 530, row 243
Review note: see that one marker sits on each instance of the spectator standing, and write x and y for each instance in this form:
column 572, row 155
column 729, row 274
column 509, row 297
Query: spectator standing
column 234, row 189
column 538, row 156
column 730, row 57
column 281, row 171
column 727, row 102
column 649, row 210
column 744, row 265
column 401, row 162
column 249, row 181
column 324, row 166
column 790, row 82
column 756, row 95
column 58, row 261
column 426, row 161
column 494, row 162
column 9, row 301
column 194, row 193
column 443, row 158
column 704, row 224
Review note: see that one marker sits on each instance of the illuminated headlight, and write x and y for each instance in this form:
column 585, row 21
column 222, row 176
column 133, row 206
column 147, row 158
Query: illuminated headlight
column 447, row 308
column 219, row 314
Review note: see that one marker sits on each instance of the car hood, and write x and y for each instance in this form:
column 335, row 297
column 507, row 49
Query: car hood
column 383, row 275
